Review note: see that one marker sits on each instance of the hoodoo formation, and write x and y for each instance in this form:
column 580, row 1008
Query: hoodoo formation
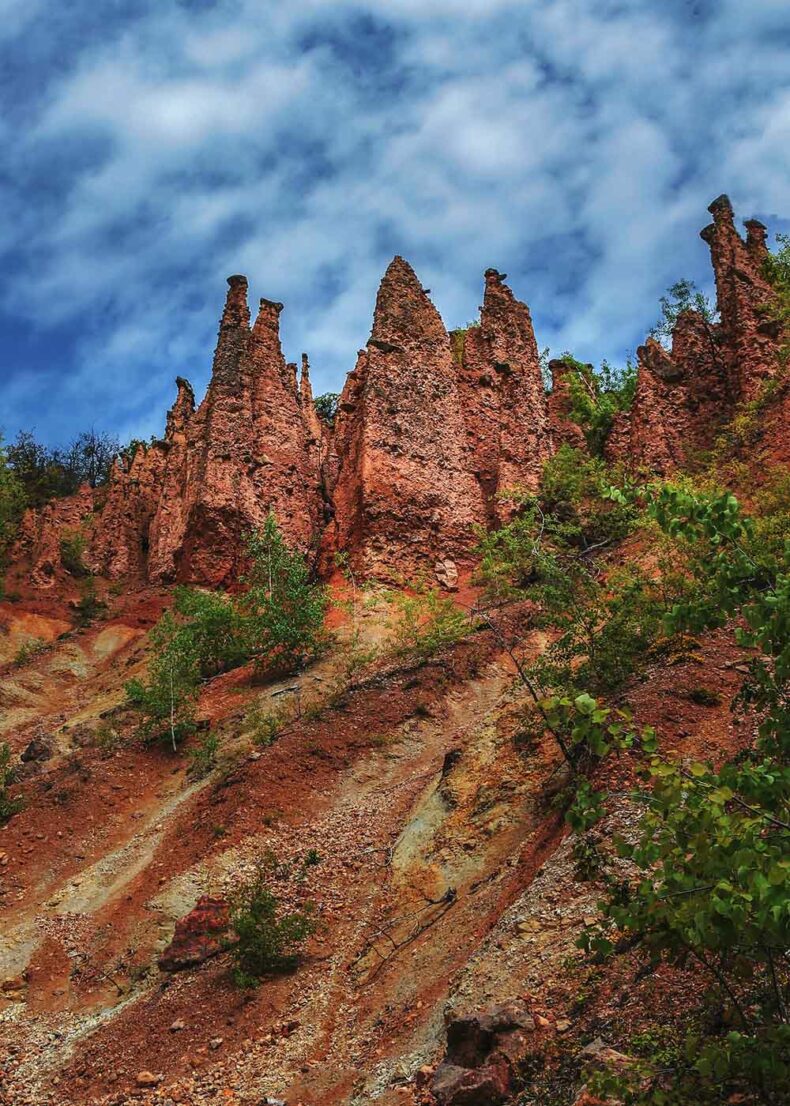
column 432, row 431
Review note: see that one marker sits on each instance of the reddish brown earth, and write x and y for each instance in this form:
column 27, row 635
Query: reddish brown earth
column 444, row 885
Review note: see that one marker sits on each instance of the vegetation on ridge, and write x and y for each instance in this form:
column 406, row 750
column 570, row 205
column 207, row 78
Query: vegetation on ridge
column 710, row 862
column 277, row 623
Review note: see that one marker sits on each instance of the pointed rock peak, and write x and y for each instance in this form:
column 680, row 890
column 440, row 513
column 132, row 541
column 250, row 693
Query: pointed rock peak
column 723, row 220
column 404, row 313
column 756, row 234
column 236, row 312
column 494, row 277
column 655, row 358
column 182, row 410
column 268, row 316
column 305, row 387
column 507, row 324
column 309, row 412
column 186, row 394
column 496, row 290
column 268, row 322
column 265, row 349
column 400, row 269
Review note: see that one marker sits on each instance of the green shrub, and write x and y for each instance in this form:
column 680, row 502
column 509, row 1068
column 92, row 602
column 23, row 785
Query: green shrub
column 283, row 610
column 107, row 738
column 9, row 805
column 265, row 726
column 574, row 499
column 712, row 862
column 458, row 340
column 326, row 407
column 604, row 623
column 597, row 396
column 268, row 940
column 425, row 622
column 27, row 651
column 72, row 551
column 203, row 757
column 89, row 607
column 704, row 697
column 278, row 623
column 776, row 270
column 605, row 626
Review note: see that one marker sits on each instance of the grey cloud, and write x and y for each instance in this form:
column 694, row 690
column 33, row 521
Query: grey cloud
column 574, row 144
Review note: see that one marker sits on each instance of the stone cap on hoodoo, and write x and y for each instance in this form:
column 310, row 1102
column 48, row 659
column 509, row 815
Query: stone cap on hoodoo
column 237, row 312
column 756, row 238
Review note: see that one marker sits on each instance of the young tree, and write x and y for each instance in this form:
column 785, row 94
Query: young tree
column 167, row 700
column 211, row 628
column 268, row 940
column 682, row 296
column 283, row 610
column 597, row 396
column 89, row 458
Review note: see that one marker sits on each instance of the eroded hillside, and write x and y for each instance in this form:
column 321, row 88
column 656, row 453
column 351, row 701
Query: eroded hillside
column 433, row 780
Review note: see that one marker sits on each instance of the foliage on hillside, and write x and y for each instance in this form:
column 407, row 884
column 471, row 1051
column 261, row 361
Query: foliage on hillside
column 711, row 858
column 597, row 396
column 47, row 472
column 12, row 502
column 277, row 623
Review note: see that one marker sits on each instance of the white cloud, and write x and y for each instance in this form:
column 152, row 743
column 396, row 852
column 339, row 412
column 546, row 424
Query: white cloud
column 574, row 144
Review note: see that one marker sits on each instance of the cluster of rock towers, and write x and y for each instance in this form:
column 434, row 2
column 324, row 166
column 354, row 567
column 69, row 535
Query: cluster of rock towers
column 431, row 428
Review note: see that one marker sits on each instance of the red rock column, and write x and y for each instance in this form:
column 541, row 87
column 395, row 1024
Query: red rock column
column 743, row 296
column 404, row 497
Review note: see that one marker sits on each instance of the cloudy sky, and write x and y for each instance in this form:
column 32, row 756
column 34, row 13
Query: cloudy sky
column 152, row 147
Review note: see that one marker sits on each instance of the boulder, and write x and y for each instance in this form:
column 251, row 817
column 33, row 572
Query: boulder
column 458, row 1086
column 37, row 749
column 198, row 936
column 483, row 1052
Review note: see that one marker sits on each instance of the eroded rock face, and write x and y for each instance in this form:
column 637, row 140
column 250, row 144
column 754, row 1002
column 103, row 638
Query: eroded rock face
column 403, row 495
column 742, row 297
column 168, row 521
column 685, row 396
column 502, row 397
column 681, row 399
column 42, row 531
column 562, row 429
column 243, row 452
column 120, row 546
